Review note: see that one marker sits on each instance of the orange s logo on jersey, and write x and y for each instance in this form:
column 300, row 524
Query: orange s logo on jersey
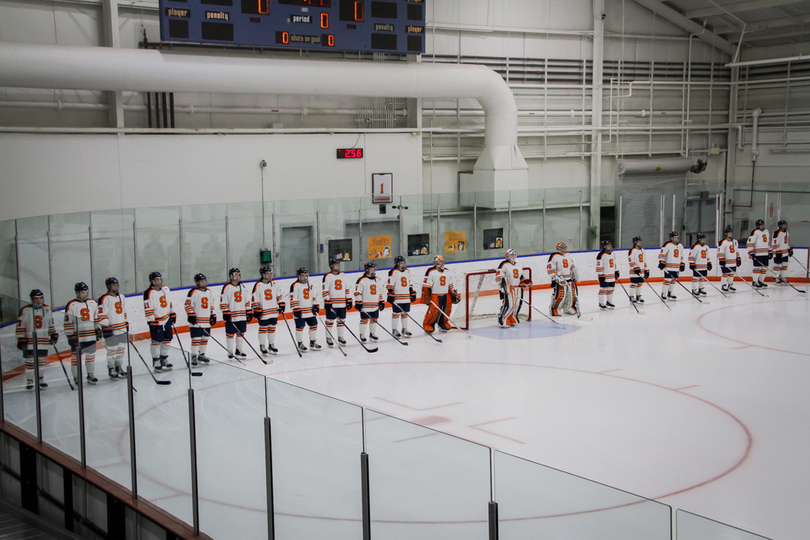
column 38, row 322
column 731, row 249
column 765, row 238
column 306, row 294
column 85, row 314
column 204, row 302
column 641, row 257
column 268, row 294
column 237, row 296
column 119, row 308
column 403, row 281
column 442, row 281
column 515, row 273
column 611, row 263
column 565, row 263
column 372, row 289
column 338, row 285
column 163, row 302
column 676, row 252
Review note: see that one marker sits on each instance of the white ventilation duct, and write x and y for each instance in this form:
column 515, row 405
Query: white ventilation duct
column 754, row 136
column 651, row 166
column 500, row 166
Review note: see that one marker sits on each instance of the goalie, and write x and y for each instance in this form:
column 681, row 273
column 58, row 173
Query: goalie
column 511, row 283
column 564, row 277
column 439, row 294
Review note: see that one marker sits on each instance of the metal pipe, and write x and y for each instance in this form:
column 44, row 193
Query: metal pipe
column 80, row 388
column 17, row 261
column 317, row 242
column 543, row 247
column 195, row 497
column 673, row 213
column 509, row 221
column 579, row 226
column 50, row 263
column 661, row 227
column 360, row 247
column 782, row 60
column 227, row 244
column 475, row 230
column 37, row 389
column 180, row 244
column 754, row 141
column 92, row 257
column 268, row 468
column 133, row 454
column 135, row 247
column 619, row 225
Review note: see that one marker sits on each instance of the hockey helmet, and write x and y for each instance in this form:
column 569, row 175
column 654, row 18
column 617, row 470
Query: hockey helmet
column 153, row 276
column 701, row 236
column 438, row 258
column 399, row 259
column 728, row 229
column 561, row 246
column 199, row 277
column 264, row 270
column 511, row 255
column 636, row 239
column 233, row 271
column 36, row 292
column 605, row 243
column 673, row 234
column 301, row 271
column 110, row 281
column 368, row 266
column 80, row 286
column 333, row 262
column 782, row 222
column 759, row 223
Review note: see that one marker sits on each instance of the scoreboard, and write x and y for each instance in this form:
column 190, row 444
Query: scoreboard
column 392, row 26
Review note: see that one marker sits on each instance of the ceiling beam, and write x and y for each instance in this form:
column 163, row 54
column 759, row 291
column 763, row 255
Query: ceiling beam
column 690, row 26
column 772, row 24
column 776, row 34
column 737, row 8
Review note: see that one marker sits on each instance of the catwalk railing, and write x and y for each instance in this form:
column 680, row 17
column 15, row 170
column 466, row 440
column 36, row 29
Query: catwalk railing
column 236, row 454
column 52, row 253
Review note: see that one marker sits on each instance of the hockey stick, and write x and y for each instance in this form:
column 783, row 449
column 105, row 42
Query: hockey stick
column 292, row 337
column 224, row 348
column 691, row 293
column 183, row 351
column 543, row 314
column 628, row 297
column 789, row 284
column 419, row 325
column 755, row 289
column 392, row 335
column 715, row 288
column 375, row 349
column 803, row 267
column 59, row 356
column 656, row 294
column 446, row 316
column 249, row 345
column 332, row 337
column 129, row 339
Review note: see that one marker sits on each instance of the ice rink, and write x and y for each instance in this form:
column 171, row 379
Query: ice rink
column 701, row 407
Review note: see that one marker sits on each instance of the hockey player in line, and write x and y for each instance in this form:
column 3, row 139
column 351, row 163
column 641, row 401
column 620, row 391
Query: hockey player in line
column 236, row 311
column 700, row 265
column 337, row 299
column 607, row 273
column 36, row 317
column 400, row 295
column 564, row 277
column 304, row 308
column 112, row 317
column 369, row 299
column 83, row 331
column 200, row 304
column 760, row 252
column 439, row 290
column 728, row 255
column 160, row 315
column 638, row 270
column 511, row 283
column 782, row 252
column 671, row 261
column 268, row 305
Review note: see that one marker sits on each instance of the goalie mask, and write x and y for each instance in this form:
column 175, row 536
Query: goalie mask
column 511, row 255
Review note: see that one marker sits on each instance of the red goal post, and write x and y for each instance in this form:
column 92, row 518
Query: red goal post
column 480, row 298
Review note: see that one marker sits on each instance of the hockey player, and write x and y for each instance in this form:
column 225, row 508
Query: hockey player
column 369, row 299
column 608, row 273
column 82, row 330
column 564, row 277
column 268, row 305
column 438, row 293
column 700, row 265
column 511, row 282
column 35, row 319
column 304, row 308
column 400, row 296
column 782, row 252
column 671, row 261
column 638, row 270
column 160, row 315
column 112, row 317
column 337, row 299
column 200, row 303
column 760, row 251
column 235, row 305
column 728, row 254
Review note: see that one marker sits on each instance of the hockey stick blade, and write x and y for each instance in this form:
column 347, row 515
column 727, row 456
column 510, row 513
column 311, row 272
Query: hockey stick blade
column 251, row 348
column 375, row 349
column 446, row 316
column 183, row 352
column 157, row 381
column 420, row 326
column 788, row 283
column 629, row 298
column 392, row 335
column 332, row 337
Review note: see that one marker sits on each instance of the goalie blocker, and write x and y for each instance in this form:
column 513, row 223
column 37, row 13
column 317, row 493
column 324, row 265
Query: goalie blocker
column 439, row 288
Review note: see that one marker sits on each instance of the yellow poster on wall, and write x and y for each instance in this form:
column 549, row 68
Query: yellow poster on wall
column 455, row 242
column 379, row 247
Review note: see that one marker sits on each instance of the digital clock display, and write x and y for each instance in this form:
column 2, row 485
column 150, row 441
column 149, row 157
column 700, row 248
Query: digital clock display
column 349, row 153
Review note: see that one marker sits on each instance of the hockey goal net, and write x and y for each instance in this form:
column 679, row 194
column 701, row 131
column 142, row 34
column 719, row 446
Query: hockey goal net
column 480, row 298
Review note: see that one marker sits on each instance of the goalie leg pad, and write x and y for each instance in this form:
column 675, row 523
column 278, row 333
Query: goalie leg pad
column 432, row 315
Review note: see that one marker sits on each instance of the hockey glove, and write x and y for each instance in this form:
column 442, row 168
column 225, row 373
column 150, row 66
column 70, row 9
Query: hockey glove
column 723, row 263
column 617, row 274
column 316, row 309
column 739, row 261
column 54, row 338
column 173, row 317
column 349, row 304
column 213, row 319
column 602, row 282
column 661, row 265
column 107, row 333
column 297, row 313
column 770, row 256
column 192, row 319
column 382, row 305
column 328, row 307
column 153, row 323
column 21, row 344
column 282, row 307
column 413, row 296
column 683, row 267
column 226, row 317
column 637, row 271
column 99, row 334
column 390, row 299
column 646, row 274
column 73, row 341
column 710, row 266
column 692, row 267
column 790, row 252
column 249, row 316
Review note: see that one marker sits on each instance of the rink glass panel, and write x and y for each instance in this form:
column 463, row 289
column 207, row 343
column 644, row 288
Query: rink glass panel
column 694, row 527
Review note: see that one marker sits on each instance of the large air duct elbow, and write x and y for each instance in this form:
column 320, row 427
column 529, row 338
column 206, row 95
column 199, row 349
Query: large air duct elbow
column 755, row 141
column 500, row 166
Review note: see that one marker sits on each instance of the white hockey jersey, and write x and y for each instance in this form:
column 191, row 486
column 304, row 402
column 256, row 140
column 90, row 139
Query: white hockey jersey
column 81, row 317
column 672, row 255
column 31, row 319
column 758, row 243
column 439, row 281
column 729, row 252
column 337, row 289
column 606, row 266
column 157, row 304
column 112, row 313
column 560, row 265
column 699, row 257
column 266, row 299
column 512, row 273
column 302, row 298
column 368, row 293
column 781, row 242
column 235, row 301
column 400, row 284
column 200, row 304
column 636, row 258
